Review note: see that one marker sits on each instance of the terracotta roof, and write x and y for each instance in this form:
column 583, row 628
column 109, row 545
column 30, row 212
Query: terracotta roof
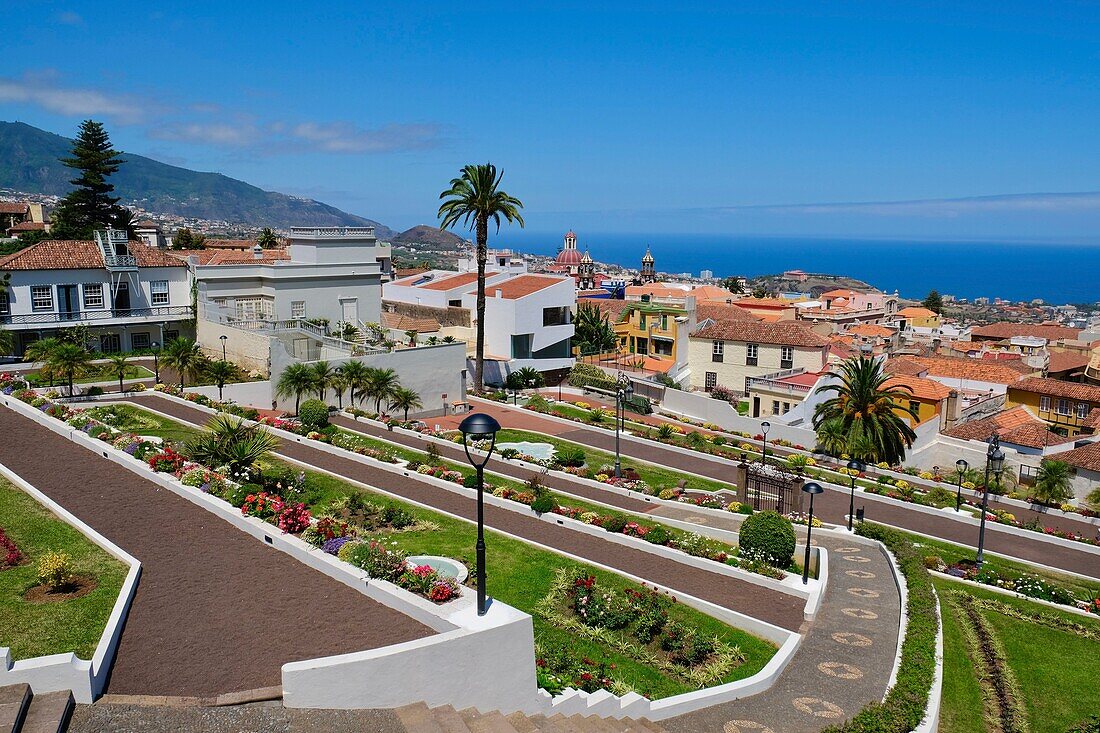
column 870, row 329
column 243, row 245
column 1092, row 420
column 73, row 254
column 1086, row 457
column 610, row 308
column 764, row 303
column 965, row 347
column 1007, row 329
column 522, row 286
column 904, row 365
column 14, row 207
column 1003, row 422
column 401, row 322
column 402, row 273
column 449, row 282
column 838, row 293
column 1058, row 388
column 145, row 224
column 722, row 312
column 921, row 389
column 978, row 370
column 1034, row 435
column 1067, row 361
column 784, row 333
column 28, row 226
column 917, row 312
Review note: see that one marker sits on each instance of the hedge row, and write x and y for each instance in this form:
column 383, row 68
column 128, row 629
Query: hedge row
column 589, row 375
column 903, row 709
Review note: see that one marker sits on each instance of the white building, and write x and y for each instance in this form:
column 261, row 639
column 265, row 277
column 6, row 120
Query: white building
column 496, row 260
column 130, row 295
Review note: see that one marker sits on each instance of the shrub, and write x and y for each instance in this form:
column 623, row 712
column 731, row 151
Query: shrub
column 769, row 537
column 376, row 560
column 616, row 523
column 668, row 493
column 194, row 477
column 570, row 456
column 94, row 391
column 658, row 535
column 293, row 517
column 590, row 375
column 470, row 482
column 544, row 504
column 55, row 571
column 313, row 414
column 397, row 517
column 538, row 403
column 166, row 461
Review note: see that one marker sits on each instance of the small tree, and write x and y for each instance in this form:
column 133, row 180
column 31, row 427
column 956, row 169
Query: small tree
column 933, row 302
column 323, row 375
column 405, row 399
column 69, row 360
column 184, row 356
column 733, row 284
column 267, row 238
column 119, row 364
column 532, row 378
column 221, row 371
column 296, row 380
column 1053, row 483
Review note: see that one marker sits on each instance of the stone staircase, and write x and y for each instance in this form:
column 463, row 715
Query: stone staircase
column 21, row 711
column 419, row 718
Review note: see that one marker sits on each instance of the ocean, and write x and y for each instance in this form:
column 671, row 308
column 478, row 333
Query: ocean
column 1057, row 273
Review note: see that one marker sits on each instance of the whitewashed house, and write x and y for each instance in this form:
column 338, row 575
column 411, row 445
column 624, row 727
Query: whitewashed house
column 129, row 294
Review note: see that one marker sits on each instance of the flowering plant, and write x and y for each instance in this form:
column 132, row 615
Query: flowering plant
column 262, row 505
column 293, row 517
column 12, row 554
column 166, row 461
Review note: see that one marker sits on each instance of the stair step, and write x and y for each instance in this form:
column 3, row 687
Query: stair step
column 522, row 723
column 492, row 722
column 596, row 724
column 14, row 701
column 643, row 725
column 449, row 720
column 417, row 718
column 49, row 713
column 560, row 724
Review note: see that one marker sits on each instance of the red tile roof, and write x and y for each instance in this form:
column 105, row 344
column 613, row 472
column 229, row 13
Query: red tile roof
column 1067, row 361
column 921, row 389
column 783, row 333
column 870, row 329
column 1002, row 422
column 1034, row 435
column 1058, row 388
column 401, row 322
column 916, row 312
column 28, row 226
column 1007, row 329
column 13, row 207
column 73, row 254
column 904, row 365
column 1086, row 457
column 978, row 370
column 450, row 281
column 722, row 312
column 521, row 286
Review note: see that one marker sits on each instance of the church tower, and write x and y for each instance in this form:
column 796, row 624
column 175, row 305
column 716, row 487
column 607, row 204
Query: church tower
column 587, row 273
column 649, row 274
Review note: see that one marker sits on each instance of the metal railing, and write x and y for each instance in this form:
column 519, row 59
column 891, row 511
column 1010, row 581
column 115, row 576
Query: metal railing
column 119, row 262
column 215, row 314
column 332, row 231
column 772, row 382
column 96, row 315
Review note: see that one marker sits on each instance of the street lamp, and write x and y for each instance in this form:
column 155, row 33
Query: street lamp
column 813, row 489
column 764, row 428
column 480, row 426
column 624, row 390
column 854, row 469
column 995, row 462
column 223, row 338
column 156, row 362
column 960, row 468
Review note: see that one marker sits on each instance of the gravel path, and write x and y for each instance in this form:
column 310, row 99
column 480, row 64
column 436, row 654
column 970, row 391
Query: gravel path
column 215, row 611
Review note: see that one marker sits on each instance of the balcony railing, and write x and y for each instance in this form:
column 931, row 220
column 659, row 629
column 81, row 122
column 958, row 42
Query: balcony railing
column 332, row 231
column 175, row 312
column 120, row 262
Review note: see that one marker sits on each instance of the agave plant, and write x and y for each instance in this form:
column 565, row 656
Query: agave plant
column 230, row 441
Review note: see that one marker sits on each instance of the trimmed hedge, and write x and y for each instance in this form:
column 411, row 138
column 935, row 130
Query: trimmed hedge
column 903, row 709
column 313, row 414
column 769, row 537
column 590, row 375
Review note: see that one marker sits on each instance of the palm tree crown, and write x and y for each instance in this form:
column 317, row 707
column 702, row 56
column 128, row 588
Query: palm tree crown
column 354, row 376
column 69, row 360
column 1053, row 482
column 323, row 374
column 865, row 410
column 185, row 357
column 297, row 379
column 405, row 399
column 474, row 199
column 119, row 364
column 380, row 385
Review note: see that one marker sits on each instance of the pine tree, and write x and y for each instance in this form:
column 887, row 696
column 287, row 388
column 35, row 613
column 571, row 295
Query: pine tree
column 90, row 205
column 933, row 302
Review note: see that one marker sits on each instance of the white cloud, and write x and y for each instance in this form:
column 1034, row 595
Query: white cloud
column 41, row 92
column 215, row 133
column 343, row 137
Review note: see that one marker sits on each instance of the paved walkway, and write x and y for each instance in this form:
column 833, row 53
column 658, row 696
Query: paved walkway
column 775, row 607
column 832, row 506
column 215, row 611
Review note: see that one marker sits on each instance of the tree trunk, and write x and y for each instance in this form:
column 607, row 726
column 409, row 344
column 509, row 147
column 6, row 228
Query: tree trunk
column 297, row 399
column 120, row 384
column 482, row 254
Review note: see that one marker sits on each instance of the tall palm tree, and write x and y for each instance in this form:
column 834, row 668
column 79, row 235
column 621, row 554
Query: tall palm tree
column 339, row 384
column 474, row 199
column 221, row 371
column 323, row 374
column 39, row 353
column 594, row 332
column 1053, row 482
column 297, row 380
column 118, row 364
column 380, row 384
column 405, row 399
column 354, row 376
column 69, row 360
column 866, row 409
column 184, row 356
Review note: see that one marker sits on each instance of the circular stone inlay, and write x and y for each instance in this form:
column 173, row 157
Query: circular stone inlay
column 863, row 592
column 857, row 558
column 862, row 574
column 860, row 613
column 851, row 638
column 817, row 707
column 841, row 670
column 847, row 549
column 737, row 726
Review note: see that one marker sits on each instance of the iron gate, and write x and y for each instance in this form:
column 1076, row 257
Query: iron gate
column 767, row 492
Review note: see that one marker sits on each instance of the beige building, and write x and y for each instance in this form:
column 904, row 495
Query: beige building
column 727, row 353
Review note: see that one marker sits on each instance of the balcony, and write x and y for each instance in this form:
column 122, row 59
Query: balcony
column 332, row 231
column 96, row 317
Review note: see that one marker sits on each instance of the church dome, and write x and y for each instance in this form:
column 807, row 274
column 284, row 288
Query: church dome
column 568, row 257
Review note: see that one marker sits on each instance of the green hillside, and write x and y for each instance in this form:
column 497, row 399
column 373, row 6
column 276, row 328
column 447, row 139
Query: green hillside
column 29, row 162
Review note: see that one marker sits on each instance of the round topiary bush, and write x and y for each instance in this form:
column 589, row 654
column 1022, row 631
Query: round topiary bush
column 768, row 537
column 313, row 414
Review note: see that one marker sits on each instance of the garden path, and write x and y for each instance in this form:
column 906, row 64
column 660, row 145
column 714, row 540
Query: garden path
column 832, row 506
column 215, row 610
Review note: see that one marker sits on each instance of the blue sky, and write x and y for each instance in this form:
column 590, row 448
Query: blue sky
column 720, row 117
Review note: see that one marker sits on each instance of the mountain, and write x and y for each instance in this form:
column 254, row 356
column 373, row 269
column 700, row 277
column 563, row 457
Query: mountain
column 29, row 162
column 432, row 236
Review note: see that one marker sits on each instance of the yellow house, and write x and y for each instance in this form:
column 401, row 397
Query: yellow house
column 923, row 398
column 917, row 317
column 1069, row 408
column 652, row 329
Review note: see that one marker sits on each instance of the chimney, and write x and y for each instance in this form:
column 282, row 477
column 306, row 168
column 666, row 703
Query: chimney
column 499, row 293
column 952, row 411
column 257, row 252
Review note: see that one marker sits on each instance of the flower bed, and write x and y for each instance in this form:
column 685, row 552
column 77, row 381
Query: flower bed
column 10, row 553
column 1026, row 584
column 10, row 383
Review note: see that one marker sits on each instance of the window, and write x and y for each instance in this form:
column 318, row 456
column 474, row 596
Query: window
column 641, row 321
column 1044, row 404
column 1063, row 407
column 711, row 381
column 171, row 336
column 786, row 357
column 1082, row 410
column 555, row 316
column 5, row 303
column 139, row 341
column 41, row 298
column 914, row 407
column 664, row 321
column 717, row 349
column 159, row 290
column 751, row 352
column 521, row 346
column 454, row 303
column 93, row 295
column 775, row 407
column 297, row 309
column 786, row 407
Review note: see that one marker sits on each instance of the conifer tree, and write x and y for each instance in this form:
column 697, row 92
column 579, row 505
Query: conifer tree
column 90, row 205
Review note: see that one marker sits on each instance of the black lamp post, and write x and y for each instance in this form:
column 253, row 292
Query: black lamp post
column 480, row 426
column 223, row 338
column 813, row 489
column 995, row 462
column 623, row 391
column 156, row 362
column 764, row 428
column 960, row 468
column 854, row 469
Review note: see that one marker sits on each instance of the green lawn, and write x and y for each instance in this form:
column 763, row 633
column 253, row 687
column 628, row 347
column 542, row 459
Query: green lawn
column 131, row 419
column 98, row 373
column 75, row 625
column 1056, row 670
